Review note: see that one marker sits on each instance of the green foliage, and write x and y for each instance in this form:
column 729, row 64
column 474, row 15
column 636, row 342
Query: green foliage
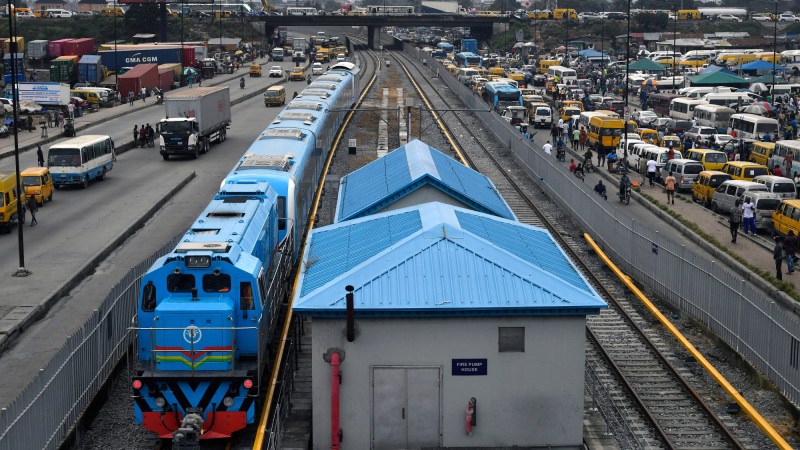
column 140, row 16
column 651, row 22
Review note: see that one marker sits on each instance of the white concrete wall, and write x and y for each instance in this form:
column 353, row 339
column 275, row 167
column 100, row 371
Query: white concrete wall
column 425, row 194
column 527, row 399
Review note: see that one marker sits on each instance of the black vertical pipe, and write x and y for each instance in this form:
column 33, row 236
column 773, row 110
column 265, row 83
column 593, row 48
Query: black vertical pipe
column 351, row 327
column 12, row 48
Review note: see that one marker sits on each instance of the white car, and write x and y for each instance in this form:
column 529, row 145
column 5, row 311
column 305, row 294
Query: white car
column 276, row 71
column 729, row 18
column 761, row 18
column 316, row 69
column 718, row 140
column 644, row 117
column 340, row 58
column 788, row 17
column 59, row 13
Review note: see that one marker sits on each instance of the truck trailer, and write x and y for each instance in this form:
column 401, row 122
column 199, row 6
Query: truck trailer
column 193, row 119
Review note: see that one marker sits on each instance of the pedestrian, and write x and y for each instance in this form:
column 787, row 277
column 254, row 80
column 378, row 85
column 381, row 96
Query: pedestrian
column 548, row 148
column 142, row 136
column 735, row 219
column 670, row 154
column 32, row 207
column 151, row 134
column 651, row 171
column 135, row 133
column 143, row 91
column 60, row 119
column 130, row 97
column 30, row 123
column 748, row 208
column 790, row 245
column 788, row 161
column 777, row 255
column 583, row 137
column 71, row 110
column 576, row 138
column 39, row 155
column 601, row 156
column 669, row 184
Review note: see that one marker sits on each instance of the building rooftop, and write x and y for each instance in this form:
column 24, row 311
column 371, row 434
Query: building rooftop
column 438, row 259
column 405, row 170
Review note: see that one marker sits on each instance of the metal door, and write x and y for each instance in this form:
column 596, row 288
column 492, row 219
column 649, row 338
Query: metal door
column 405, row 407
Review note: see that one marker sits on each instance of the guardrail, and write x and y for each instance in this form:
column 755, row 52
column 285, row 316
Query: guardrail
column 43, row 414
column 749, row 320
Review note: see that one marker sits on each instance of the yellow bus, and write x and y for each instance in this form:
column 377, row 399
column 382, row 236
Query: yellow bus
column 539, row 14
column 689, row 14
column 565, row 13
column 545, row 64
column 604, row 133
column 10, row 202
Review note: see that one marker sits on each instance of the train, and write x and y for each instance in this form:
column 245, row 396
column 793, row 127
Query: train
column 208, row 309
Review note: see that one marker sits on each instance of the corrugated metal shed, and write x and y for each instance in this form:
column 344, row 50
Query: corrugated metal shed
column 438, row 259
column 407, row 169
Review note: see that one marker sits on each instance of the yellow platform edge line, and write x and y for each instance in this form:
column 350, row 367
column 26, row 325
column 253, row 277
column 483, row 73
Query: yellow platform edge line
column 757, row 418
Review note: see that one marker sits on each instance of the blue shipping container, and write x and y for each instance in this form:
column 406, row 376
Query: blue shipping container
column 130, row 58
column 90, row 69
column 7, row 78
column 469, row 45
column 19, row 61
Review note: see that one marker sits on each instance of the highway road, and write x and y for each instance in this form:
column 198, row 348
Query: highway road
column 79, row 223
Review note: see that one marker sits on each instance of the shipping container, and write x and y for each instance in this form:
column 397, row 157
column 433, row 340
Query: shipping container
column 130, row 58
column 188, row 56
column 79, row 47
column 469, row 45
column 141, row 76
column 56, row 48
column 64, row 69
column 165, row 79
column 20, row 41
column 175, row 67
column 90, row 69
column 19, row 61
column 37, row 49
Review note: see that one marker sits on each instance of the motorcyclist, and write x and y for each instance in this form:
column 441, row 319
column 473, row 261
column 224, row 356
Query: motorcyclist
column 578, row 170
column 308, row 79
column 624, row 183
column 559, row 148
column 600, row 188
column 587, row 159
column 241, row 82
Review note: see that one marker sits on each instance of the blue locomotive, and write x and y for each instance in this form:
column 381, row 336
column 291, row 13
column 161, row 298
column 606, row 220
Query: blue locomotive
column 207, row 309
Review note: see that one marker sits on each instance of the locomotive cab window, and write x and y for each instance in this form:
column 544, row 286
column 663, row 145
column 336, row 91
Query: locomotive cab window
column 180, row 282
column 281, row 213
column 217, row 283
column 246, row 296
column 149, row 297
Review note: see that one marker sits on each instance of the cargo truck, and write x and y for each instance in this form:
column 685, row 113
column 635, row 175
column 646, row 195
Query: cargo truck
column 55, row 94
column 194, row 118
column 442, row 7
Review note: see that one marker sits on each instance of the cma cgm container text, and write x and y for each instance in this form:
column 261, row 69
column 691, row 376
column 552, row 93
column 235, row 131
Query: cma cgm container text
column 130, row 58
column 141, row 76
column 79, row 47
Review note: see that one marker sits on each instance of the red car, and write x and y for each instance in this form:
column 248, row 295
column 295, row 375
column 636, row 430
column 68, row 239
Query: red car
column 77, row 101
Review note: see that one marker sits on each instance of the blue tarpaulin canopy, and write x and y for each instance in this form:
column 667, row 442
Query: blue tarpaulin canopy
column 591, row 53
column 762, row 65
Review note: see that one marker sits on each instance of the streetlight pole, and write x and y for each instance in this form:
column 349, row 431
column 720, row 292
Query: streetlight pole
column 116, row 62
column 602, row 48
column 674, row 41
column 12, row 47
column 627, row 74
column 774, row 50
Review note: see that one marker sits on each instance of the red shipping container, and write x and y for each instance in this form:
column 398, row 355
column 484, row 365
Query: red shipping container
column 188, row 57
column 165, row 79
column 56, row 48
column 79, row 47
column 141, row 76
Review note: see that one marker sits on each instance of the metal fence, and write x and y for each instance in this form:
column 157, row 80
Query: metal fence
column 745, row 317
column 42, row 415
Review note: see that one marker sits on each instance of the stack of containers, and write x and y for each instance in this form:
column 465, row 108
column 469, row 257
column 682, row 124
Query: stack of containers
column 56, row 48
column 141, row 76
column 37, row 49
column 128, row 55
column 19, row 62
column 90, row 69
column 78, row 47
column 64, row 69
column 165, row 79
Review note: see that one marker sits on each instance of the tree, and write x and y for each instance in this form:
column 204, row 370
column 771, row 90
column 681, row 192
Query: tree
column 139, row 17
column 651, row 21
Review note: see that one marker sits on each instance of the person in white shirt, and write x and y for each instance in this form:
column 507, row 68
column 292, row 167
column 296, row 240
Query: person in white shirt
column 548, row 149
column 651, row 171
column 748, row 217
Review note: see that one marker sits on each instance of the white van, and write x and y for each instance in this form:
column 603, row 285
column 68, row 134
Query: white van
column 465, row 75
column 728, row 192
column 782, row 186
column 542, row 116
column 636, row 156
column 698, row 92
column 728, row 99
column 58, row 13
column 765, row 204
column 659, row 155
column 684, row 170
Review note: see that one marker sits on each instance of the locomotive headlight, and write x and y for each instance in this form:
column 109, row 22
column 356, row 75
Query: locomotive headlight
column 198, row 262
column 160, row 402
column 227, row 401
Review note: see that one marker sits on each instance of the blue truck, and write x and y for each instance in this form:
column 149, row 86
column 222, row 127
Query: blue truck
column 469, row 45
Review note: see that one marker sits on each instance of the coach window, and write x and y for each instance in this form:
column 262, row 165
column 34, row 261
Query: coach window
column 217, row 282
column 246, row 296
column 179, row 282
column 281, row 213
column 149, row 297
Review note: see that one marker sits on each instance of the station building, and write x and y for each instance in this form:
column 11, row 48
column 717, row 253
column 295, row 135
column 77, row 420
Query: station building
column 413, row 174
column 468, row 330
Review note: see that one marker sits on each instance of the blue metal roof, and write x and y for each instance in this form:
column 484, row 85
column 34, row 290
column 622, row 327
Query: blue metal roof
column 438, row 259
column 408, row 168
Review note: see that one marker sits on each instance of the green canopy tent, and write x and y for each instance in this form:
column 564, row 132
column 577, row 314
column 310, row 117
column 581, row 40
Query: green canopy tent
column 719, row 79
column 646, row 64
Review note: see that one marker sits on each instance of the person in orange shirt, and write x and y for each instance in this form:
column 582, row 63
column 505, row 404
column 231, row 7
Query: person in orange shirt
column 670, row 183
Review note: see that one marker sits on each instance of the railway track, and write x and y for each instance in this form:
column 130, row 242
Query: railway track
column 657, row 406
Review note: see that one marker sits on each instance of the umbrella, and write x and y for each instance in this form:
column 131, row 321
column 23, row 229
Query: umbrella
column 189, row 71
column 239, row 52
column 650, row 82
column 758, row 87
column 519, row 45
column 756, row 109
column 764, row 105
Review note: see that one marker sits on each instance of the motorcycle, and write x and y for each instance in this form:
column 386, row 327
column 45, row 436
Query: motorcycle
column 561, row 155
column 625, row 194
column 588, row 166
column 579, row 172
column 159, row 99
